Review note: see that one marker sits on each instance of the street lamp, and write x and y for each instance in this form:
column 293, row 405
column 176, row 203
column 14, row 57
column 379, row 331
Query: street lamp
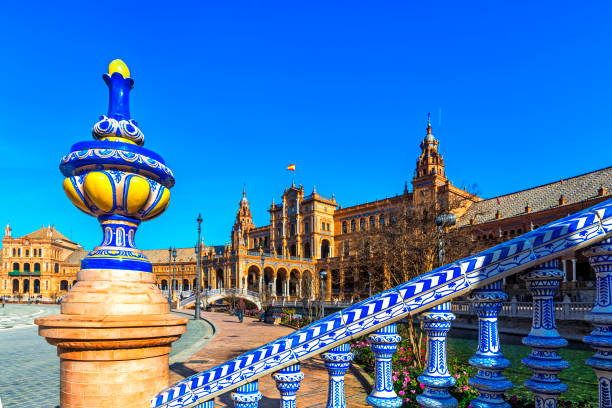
column 170, row 277
column 198, row 251
column 443, row 221
column 323, row 275
column 174, row 266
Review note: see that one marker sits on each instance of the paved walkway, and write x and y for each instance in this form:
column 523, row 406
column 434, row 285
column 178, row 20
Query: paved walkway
column 234, row 338
column 29, row 366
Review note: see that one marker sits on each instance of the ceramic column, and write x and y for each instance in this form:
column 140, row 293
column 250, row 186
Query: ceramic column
column 337, row 362
column 247, row 396
column 600, row 257
column 115, row 332
column 288, row 383
column 544, row 340
column 436, row 378
column 489, row 360
column 384, row 343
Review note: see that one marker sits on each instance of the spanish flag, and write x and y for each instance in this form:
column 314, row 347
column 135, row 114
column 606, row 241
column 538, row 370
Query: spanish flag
column 291, row 167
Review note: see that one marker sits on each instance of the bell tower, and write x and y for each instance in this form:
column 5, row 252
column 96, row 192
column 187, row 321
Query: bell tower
column 429, row 173
column 243, row 223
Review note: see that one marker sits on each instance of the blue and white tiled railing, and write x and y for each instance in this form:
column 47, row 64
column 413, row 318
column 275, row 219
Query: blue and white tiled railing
column 534, row 253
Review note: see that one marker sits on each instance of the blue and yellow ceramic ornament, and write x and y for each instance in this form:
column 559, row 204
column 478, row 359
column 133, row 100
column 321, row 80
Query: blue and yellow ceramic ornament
column 116, row 180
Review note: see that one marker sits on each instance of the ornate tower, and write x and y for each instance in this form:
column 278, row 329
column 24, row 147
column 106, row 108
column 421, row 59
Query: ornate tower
column 429, row 173
column 243, row 224
column 114, row 333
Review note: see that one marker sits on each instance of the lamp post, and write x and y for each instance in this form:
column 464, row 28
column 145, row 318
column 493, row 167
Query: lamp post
column 174, row 266
column 443, row 221
column 198, row 254
column 170, row 277
column 323, row 275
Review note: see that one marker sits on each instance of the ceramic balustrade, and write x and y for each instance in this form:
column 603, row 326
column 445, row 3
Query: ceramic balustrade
column 532, row 256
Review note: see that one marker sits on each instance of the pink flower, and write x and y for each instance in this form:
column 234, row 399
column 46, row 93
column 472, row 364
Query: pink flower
column 408, row 399
column 410, row 349
column 401, row 392
column 422, row 386
column 412, row 391
column 465, row 388
column 394, row 378
column 457, row 376
column 407, row 379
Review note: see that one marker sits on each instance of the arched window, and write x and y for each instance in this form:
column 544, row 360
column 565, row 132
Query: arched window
column 307, row 253
column 40, row 252
column 361, row 224
column 14, row 252
column 37, row 267
column 164, row 284
column 26, row 268
column 64, row 285
column 27, row 252
column 36, row 286
column 353, row 225
column 324, row 248
column 372, row 221
column 15, row 285
column 15, row 267
column 292, row 250
column 56, row 268
column 34, row 252
column 18, row 251
column 344, row 227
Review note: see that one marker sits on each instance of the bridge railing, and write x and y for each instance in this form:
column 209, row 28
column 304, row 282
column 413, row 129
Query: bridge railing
column 533, row 255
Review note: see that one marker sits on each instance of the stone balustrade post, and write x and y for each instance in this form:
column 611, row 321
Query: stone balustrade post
column 489, row 361
column 436, row 378
column 288, row 383
column 544, row 339
column 384, row 343
column 337, row 362
column 600, row 258
column 247, row 395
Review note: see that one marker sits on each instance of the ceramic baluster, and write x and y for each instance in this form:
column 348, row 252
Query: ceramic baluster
column 436, row 378
column 337, row 362
column 247, row 396
column 490, row 362
column 288, row 383
column 384, row 343
column 544, row 339
column 600, row 257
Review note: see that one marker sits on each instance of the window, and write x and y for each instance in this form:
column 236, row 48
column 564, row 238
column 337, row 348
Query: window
column 344, row 231
column 292, row 229
column 353, row 225
column 27, row 252
column 322, row 226
column 372, row 222
column 328, row 227
column 306, row 227
column 40, row 252
column 19, row 252
column 382, row 220
column 15, row 267
column 14, row 252
column 34, row 252
column 56, row 268
column 361, row 224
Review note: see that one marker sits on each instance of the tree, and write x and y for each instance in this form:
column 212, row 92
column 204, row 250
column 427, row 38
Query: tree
column 408, row 244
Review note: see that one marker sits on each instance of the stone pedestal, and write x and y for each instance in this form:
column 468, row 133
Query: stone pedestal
column 113, row 338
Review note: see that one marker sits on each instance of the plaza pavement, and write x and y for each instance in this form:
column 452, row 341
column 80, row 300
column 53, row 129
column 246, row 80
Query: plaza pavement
column 233, row 338
column 29, row 366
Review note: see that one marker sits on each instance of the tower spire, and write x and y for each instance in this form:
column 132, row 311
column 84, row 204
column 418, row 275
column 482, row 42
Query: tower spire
column 429, row 123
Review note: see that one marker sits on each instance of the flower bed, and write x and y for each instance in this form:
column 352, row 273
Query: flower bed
column 408, row 364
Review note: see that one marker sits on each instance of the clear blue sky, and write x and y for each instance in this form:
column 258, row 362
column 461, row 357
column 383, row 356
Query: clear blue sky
column 232, row 92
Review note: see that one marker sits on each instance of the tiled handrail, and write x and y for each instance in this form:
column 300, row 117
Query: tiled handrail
column 441, row 285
